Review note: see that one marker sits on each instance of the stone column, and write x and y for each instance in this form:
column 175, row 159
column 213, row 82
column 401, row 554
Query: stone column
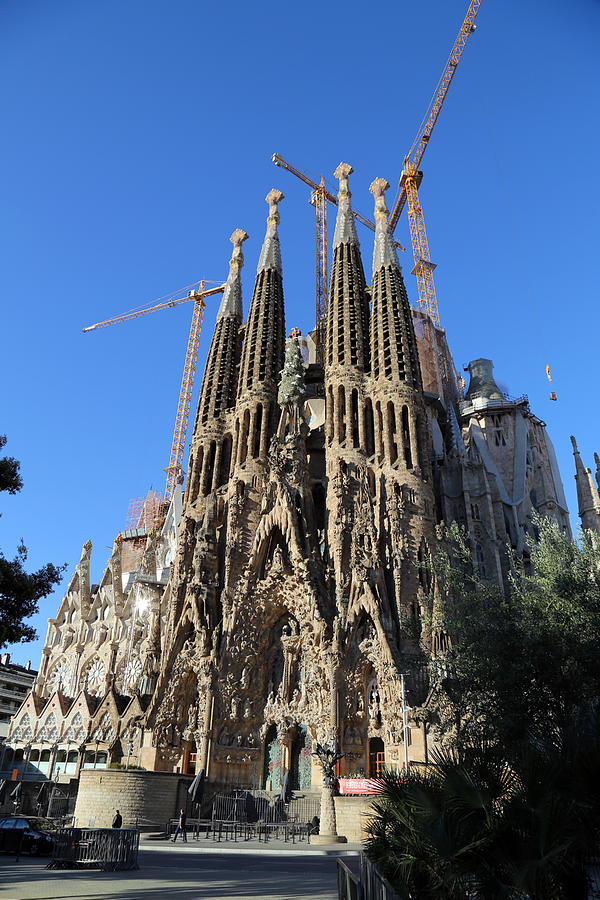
column 217, row 466
column 251, row 433
column 413, row 440
column 264, row 434
column 362, row 444
column 206, row 733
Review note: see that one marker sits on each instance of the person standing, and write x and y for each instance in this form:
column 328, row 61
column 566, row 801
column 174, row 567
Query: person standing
column 118, row 820
column 181, row 827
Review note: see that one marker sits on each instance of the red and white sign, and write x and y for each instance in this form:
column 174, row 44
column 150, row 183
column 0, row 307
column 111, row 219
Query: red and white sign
column 358, row 786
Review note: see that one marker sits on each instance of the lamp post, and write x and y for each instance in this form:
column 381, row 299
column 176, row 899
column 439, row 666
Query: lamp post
column 405, row 709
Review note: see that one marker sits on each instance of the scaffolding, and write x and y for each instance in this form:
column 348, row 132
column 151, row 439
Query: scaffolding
column 145, row 513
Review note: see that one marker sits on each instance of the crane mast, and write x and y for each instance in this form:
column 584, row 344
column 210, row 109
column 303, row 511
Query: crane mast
column 411, row 175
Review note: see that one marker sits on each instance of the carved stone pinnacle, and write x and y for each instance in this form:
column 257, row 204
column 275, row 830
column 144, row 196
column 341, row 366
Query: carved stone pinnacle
column 343, row 170
column 379, row 187
column 274, row 197
column 238, row 237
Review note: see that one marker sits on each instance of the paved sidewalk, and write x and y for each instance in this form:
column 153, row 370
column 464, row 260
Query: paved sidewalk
column 182, row 873
column 272, row 847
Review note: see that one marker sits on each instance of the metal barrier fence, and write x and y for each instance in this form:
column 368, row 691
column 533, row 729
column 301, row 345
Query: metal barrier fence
column 347, row 883
column 110, row 849
column 373, row 885
column 249, row 806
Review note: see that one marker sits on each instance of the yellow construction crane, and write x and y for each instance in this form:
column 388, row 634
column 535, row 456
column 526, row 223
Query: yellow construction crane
column 320, row 197
column 411, row 175
column 196, row 293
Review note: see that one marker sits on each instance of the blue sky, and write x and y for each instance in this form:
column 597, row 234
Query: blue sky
column 138, row 134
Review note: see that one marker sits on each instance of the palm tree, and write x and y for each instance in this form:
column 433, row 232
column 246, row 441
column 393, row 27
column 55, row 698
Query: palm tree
column 481, row 822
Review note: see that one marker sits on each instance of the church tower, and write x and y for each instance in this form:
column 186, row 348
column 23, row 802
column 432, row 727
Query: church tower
column 211, row 450
column 587, row 493
column 257, row 413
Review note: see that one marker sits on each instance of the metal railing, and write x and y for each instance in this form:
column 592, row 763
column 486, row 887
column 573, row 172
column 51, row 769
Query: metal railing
column 373, row 885
column 348, row 884
column 110, row 849
column 249, row 806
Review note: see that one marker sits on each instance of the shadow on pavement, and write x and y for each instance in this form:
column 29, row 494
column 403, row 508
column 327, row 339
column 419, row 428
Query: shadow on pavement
column 177, row 876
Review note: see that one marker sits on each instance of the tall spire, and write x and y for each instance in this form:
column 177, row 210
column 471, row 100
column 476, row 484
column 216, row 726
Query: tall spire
column 231, row 304
column 264, row 342
column 345, row 225
column 597, row 461
column 384, row 250
column 217, row 392
column 587, row 493
column 394, row 352
column 270, row 254
column 347, row 310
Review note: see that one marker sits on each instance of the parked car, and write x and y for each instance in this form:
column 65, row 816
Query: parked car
column 27, row 834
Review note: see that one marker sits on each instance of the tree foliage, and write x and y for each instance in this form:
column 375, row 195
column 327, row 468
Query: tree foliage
column 20, row 591
column 528, row 659
column 485, row 821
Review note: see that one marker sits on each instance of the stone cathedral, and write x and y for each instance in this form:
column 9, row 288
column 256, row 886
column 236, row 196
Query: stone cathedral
column 286, row 592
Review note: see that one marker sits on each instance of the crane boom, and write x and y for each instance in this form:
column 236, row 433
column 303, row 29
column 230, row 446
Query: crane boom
column 165, row 304
column 419, row 145
column 189, row 369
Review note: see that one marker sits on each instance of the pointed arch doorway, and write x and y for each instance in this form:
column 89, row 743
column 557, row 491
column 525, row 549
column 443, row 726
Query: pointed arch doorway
column 272, row 763
column 301, row 760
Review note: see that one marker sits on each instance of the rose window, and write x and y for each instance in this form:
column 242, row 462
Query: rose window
column 62, row 678
column 133, row 671
column 96, row 677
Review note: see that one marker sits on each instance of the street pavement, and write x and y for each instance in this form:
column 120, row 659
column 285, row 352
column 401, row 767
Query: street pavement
column 186, row 872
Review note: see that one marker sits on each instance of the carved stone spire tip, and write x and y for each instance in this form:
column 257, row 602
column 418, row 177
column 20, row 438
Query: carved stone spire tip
column 274, row 197
column 238, row 237
column 379, row 187
column 343, row 170
column 574, row 442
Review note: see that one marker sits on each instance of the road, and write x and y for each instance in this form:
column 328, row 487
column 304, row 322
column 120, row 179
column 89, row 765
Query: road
column 174, row 873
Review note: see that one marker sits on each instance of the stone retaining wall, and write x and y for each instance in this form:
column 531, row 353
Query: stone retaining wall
column 147, row 799
column 351, row 814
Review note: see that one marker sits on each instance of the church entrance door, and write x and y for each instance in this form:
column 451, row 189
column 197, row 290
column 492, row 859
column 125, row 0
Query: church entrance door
column 301, row 762
column 376, row 757
column 272, row 766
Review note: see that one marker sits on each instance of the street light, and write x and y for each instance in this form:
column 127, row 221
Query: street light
column 405, row 709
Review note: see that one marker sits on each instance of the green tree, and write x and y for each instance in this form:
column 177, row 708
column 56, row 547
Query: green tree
column 20, row 591
column 528, row 659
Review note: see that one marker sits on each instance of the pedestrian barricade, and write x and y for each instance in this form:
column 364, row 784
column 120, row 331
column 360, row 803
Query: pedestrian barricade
column 109, row 849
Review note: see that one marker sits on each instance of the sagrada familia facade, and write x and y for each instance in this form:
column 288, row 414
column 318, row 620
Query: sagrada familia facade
column 287, row 591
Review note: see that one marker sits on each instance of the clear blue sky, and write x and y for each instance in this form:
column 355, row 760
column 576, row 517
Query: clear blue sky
column 137, row 135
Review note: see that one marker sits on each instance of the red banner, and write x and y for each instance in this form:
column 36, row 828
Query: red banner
column 358, row 786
